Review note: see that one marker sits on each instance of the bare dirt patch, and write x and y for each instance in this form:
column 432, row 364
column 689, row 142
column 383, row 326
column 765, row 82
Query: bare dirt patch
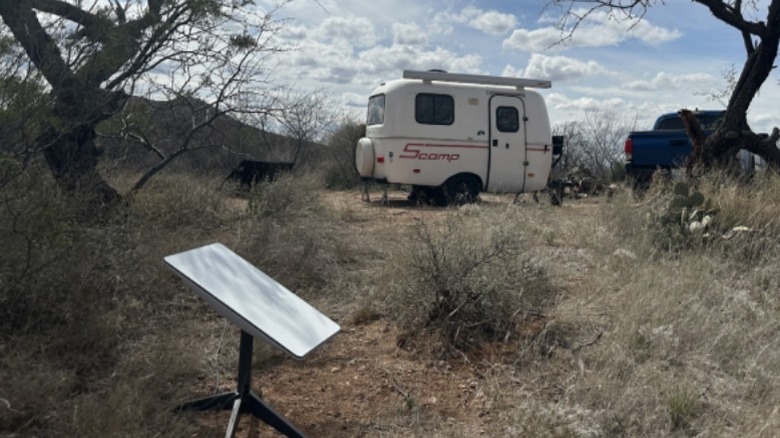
column 361, row 383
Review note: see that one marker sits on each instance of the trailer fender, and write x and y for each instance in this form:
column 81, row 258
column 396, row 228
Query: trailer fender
column 364, row 157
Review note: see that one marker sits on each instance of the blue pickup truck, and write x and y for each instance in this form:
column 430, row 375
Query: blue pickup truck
column 665, row 147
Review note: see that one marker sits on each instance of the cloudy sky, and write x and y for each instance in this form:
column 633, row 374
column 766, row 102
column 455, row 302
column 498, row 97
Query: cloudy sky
column 670, row 60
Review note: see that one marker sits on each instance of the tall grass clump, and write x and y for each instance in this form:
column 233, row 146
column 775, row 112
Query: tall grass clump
column 182, row 201
column 716, row 213
column 465, row 282
column 291, row 196
column 747, row 216
column 288, row 233
column 688, row 347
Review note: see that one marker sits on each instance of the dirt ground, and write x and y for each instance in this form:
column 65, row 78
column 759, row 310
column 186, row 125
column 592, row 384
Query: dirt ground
column 361, row 383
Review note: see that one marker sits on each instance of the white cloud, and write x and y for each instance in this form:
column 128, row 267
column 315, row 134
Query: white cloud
column 536, row 40
column 598, row 31
column 666, row 81
column 652, row 35
column 326, row 62
column 560, row 68
column 354, row 100
column 358, row 31
column 560, row 102
column 493, row 22
column 392, row 59
column 293, row 32
column 489, row 22
column 408, row 34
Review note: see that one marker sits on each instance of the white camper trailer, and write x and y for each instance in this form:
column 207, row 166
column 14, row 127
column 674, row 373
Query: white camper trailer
column 451, row 136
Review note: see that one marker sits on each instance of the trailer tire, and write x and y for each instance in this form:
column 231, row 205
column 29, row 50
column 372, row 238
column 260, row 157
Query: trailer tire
column 462, row 189
column 364, row 157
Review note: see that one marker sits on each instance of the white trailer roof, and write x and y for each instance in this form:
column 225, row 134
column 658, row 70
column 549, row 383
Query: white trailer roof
column 475, row 79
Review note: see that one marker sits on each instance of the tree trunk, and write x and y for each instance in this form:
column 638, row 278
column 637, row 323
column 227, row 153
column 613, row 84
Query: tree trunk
column 70, row 150
column 731, row 136
column 68, row 143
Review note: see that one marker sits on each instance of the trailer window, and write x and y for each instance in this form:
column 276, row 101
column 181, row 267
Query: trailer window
column 434, row 109
column 376, row 110
column 507, row 119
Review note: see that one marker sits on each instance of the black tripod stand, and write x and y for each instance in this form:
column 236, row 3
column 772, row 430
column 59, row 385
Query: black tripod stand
column 243, row 399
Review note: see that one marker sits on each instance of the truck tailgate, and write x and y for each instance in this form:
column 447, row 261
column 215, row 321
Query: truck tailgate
column 659, row 148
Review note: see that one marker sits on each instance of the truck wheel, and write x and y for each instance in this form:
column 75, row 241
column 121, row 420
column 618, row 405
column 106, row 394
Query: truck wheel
column 461, row 190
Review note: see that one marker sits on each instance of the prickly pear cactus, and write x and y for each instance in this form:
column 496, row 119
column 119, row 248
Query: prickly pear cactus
column 685, row 219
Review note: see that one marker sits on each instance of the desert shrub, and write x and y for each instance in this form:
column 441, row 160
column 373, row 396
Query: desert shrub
column 76, row 299
column 288, row 233
column 339, row 170
column 291, row 195
column 57, row 295
column 38, row 242
column 465, row 283
column 182, row 200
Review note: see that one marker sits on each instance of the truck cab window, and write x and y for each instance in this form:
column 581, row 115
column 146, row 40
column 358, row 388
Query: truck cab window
column 706, row 121
column 434, row 109
column 376, row 110
column 507, row 119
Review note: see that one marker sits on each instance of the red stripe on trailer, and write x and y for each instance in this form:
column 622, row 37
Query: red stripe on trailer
column 432, row 145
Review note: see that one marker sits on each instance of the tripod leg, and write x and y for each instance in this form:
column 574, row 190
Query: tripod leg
column 264, row 412
column 234, row 417
column 219, row 401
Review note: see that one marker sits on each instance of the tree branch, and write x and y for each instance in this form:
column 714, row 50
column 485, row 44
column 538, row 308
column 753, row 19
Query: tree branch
column 69, row 12
column 734, row 17
column 18, row 15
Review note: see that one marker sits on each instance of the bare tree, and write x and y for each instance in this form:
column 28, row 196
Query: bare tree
column 594, row 144
column 306, row 117
column 760, row 37
column 93, row 58
column 721, row 95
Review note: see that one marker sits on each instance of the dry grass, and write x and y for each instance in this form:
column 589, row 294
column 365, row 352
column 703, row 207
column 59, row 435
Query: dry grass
column 615, row 334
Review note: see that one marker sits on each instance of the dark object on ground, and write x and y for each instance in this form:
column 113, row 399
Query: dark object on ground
column 251, row 172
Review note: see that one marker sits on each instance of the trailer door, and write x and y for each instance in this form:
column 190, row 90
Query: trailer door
column 507, row 163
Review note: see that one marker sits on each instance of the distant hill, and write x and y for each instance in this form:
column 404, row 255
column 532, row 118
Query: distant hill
column 169, row 124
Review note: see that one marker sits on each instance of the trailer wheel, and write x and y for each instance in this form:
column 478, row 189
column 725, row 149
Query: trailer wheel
column 461, row 189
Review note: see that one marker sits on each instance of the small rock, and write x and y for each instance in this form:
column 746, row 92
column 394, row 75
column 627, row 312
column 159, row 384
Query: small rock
column 695, row 226
column 624, row 253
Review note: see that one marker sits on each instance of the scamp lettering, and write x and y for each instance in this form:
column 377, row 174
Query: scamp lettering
column 411, row 152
